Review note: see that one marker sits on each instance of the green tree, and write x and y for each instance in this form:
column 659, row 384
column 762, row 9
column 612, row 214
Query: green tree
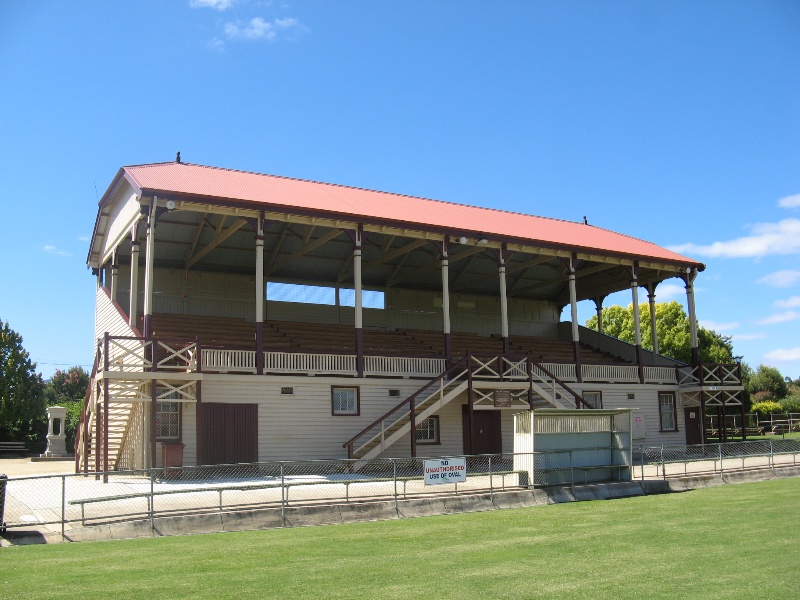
column 68, row 389
column 22, row 411
column 768, row 379
column 672, row 325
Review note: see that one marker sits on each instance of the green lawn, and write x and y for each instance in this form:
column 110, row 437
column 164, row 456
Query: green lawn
column 735, row 541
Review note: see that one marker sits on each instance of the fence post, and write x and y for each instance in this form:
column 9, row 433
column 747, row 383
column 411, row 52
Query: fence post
column 152, row 499
column 491, row 484
column 571, row 471
column 663, row 467
column 394, row 477
column 641, row 457
column 63, row 502
column 283, row 500
column 771, row 456
column 721, row 470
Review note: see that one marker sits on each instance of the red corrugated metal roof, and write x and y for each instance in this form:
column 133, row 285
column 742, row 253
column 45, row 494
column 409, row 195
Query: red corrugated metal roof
column 286, row 194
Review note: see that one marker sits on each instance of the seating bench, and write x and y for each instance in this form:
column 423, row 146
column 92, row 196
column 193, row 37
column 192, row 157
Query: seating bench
column 13, row 448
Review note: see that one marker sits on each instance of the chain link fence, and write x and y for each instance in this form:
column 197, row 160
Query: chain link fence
column 656, row 462
column 60, row 502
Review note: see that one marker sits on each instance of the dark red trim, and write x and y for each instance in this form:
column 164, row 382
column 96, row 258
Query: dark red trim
column 260, row 347
column 359, row 352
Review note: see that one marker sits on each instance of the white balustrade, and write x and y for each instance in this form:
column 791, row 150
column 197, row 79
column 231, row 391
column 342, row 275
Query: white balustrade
column 405, row 366
column 610, row 373
column 660, row 375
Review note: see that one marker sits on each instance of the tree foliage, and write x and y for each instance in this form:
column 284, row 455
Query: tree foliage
column 68, row 389
column 672, row 326
column 768, row 379
column 21, row 391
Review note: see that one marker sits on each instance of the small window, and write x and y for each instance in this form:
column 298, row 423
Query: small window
column 631, row 396
column 394, row 393
column 593, row 399
column 168, row 422
column 345, row 400
column 667, row 412
column 428, row 431
column 287, row 391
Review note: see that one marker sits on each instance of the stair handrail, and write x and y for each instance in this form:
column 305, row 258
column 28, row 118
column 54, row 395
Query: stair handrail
column 408, row 401
column 80, row 433
column 578, row 398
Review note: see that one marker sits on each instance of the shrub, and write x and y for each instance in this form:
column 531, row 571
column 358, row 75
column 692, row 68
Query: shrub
column 763, row 397
column 766, row 408
column 790, row 404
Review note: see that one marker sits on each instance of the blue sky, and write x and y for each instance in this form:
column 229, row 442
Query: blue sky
column 676, row 122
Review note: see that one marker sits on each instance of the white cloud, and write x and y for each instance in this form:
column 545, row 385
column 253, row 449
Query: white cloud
column 215, row 4
column 258, row 28
column 50, row 249
column 719, row 327
column 83, row 238
column 766, row 239
column 793, row 302
column 669, row 291
column 790, row 201
column 216, row 44
column 783, row 317
column 738, row 337
column 783, row 355
column 783, row 278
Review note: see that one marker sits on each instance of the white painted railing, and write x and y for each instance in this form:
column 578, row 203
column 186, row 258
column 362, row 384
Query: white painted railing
column 660, row 375
column 563, row 371
column 405, row 366
column 229, row 361
column 298, row 362
column 610, row 373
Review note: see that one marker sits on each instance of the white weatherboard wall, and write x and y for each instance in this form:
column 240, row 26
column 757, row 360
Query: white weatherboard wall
column 645, row 405
column 301, row 426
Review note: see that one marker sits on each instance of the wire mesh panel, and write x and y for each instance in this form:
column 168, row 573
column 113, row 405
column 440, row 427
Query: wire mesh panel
column 53, row 502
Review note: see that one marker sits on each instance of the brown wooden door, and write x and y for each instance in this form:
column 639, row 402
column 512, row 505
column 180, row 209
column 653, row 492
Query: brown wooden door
column 693, row 424
column 229, row 433
column 488, row 438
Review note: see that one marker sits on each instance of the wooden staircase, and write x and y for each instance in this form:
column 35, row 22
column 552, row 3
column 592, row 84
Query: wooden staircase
column 482, row 376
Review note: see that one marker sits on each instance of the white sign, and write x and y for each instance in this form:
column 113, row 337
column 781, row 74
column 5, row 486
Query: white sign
column 451, row 470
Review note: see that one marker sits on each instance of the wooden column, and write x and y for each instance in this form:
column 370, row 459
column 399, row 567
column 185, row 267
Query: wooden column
column 260, row 295
column 637, row 325
column 114, row 276
column 689, row 279
column 149, row 264
column 134, row 294
column 598, row 307
column 503, row 299
column 446, row 301
column 573, row 304
column 359, row 316
column 153, row 401
column 651, row 298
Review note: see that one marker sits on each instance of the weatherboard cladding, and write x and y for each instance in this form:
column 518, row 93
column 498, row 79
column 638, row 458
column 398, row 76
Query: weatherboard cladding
column 284, row 194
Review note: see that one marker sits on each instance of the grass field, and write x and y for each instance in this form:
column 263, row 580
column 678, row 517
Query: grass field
column 735, row 541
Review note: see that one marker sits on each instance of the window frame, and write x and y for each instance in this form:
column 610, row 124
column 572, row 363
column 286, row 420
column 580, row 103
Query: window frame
column 340, row 412
column 168, row 438
column 437, row 438
column 662, row 414
column 599, row 398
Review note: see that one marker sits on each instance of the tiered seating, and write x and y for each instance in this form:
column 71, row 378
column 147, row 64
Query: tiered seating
column 396, row 343
column 315, row 337
column 325, row 337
